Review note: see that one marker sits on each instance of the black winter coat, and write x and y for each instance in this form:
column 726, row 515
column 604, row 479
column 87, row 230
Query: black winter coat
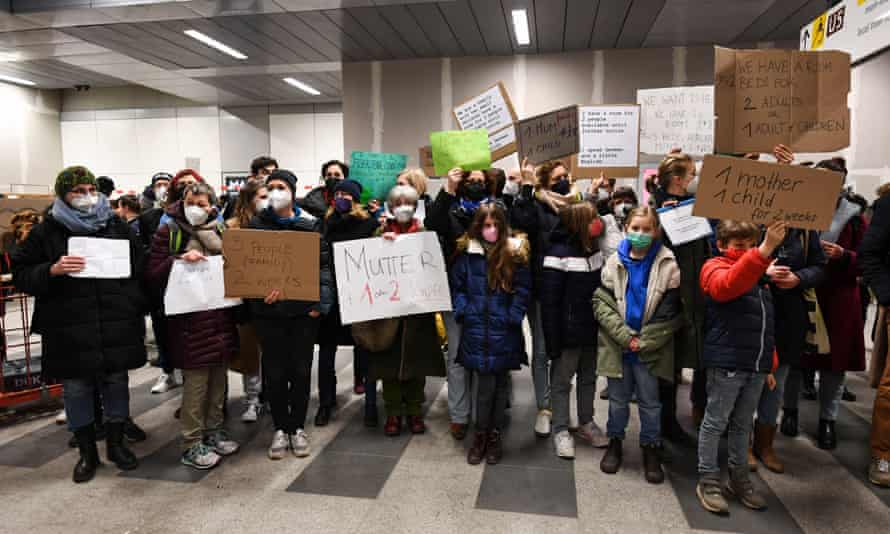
column 316, row 202
column 740, row 334
column 874, row 252
column 538, row 221
column 88, row 325
column 450, row 221
column 289, row 309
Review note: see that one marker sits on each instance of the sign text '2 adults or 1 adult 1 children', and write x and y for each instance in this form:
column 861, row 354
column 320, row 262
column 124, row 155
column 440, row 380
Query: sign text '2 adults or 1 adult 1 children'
column 378, row 279
column 259, row 261
column 747, row 190
column 677, row 117
column 608, row 141
column 763, row 98
column 548, row 136
column 376, row 171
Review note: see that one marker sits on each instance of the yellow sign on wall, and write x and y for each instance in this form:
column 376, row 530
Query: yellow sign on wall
column 819, row 32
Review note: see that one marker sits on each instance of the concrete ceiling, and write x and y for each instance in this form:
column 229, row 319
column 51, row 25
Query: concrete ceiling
column 63, row 43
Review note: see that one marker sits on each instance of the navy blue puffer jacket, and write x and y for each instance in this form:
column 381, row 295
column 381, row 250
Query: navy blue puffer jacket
column 491, row 340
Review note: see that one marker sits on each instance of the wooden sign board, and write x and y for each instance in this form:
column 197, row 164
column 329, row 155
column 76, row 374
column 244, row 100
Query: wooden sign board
column 493, row 111
column 608, row 142
column 548, row 136
column 763, row 98
column 746, row 190
column 258, row 261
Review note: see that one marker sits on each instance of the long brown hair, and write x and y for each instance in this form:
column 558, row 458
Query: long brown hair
column 576, row 218
column 245, row 208
column 674, row 164
column 501, row 263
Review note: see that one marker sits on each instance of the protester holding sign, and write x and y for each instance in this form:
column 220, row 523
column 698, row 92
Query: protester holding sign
column 490, row 285
column 93, row 330
column 416, row 178
column 450, row 217
column 288, row 328
column 320, row 199
column 345, row 221
column 202, row 342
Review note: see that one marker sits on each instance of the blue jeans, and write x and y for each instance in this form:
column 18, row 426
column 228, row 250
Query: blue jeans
column 541, row 371
column 636, row 377
column 732, row 399
column 771, row 401
column 79, row 396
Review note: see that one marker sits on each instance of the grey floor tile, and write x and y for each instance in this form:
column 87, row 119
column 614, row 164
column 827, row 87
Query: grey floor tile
column 528, row 490
column 345, row 475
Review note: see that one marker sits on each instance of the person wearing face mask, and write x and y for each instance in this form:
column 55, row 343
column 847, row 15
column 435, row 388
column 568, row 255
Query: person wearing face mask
column 638, row 311
column 570, row 274
column 155, row 194
column 415, row 354
column 93, row 330
column 200, row 343
column 450, row 217
column 623, row 200
column 675, row 174
column 253, row 198
column 288, row 329
column 320, row 199
column 490, row 285
column 416, row 178
column 346, row 220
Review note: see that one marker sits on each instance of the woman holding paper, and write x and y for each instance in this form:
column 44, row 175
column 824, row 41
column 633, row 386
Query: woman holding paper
column 202, row 342
column 92, row 328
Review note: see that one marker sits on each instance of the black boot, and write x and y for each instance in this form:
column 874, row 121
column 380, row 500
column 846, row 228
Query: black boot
column 652, row 464
column 789, row 423
column 99, row 434
column 848, row 395
column 89, row 454
column 611, row 461
column 827, row 437
column 670, row 427
column 117, row 449
column 134, row 432
column 808, row 387
column 323, row 416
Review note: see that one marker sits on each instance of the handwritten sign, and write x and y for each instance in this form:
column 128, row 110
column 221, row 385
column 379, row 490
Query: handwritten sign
column 467, row 149
column 766, row 97
column 608, row 141
column 105, row 258
column 681, row 225
column 377, row 278
column 492, row 110
column 376, row 171
column 197, row 286
column 677, row 117
column 258, row 261
column 747, row 190
column 548, row 136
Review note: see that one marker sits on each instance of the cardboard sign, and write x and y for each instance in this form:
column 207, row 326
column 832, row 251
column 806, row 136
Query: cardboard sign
column 376, row 171
column 492, row 111
column 747, row 190
column 467, row 149
column 764, row 98
column 608, row 141
column 258, row 261
column 549, row 136
column 502, row 143
column 10, row 206
column 196, row 286
column 377, row 278
column 677, row 117
column 425, row 157
column 105, row 258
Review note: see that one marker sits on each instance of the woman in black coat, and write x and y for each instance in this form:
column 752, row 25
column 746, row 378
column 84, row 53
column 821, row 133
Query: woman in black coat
column 92, row 329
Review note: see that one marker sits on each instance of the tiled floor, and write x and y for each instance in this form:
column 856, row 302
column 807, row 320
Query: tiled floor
column 358, row 480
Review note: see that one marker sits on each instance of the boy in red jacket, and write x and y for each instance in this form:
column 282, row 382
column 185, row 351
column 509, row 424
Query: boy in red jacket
column 739, row 354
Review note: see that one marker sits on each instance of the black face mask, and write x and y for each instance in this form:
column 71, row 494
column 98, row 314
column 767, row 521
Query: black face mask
column 330, row 184
column 474, row 191
column 562, row 187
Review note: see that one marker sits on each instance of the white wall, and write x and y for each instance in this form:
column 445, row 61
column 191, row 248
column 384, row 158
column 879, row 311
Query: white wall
column 30, row 140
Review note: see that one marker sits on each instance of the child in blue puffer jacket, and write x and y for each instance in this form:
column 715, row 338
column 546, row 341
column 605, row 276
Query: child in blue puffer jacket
column 490, row 283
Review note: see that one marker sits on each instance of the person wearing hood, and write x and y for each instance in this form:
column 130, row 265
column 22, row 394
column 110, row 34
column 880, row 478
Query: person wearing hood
column 155, row 193
column 288, row 329
column 92, row 329
column 318, row 201
column 200, row 343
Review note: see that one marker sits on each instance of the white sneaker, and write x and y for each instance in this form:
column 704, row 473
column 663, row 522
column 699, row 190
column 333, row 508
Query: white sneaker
column 61, row 417
column 280, row 444
column 221, row 443
column 200, row 456
column 251, row 413
column 542, row 423
column 565, row 445
column 593, row 434
column 164, row 384
column 299, row 443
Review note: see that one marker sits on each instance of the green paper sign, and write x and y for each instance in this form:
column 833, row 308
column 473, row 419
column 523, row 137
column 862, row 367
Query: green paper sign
column 467, row 149
column 377, row 172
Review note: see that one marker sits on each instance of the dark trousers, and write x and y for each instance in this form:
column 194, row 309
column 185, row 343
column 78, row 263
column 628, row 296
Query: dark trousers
column 159, row 327
column 288, row 346
column 327, row 372
column 492, row 395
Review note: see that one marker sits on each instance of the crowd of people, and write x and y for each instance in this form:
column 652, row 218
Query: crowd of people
column 754, row 312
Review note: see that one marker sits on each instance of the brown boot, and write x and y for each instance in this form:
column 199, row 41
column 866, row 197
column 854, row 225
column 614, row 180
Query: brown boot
column 477, row 452
column 752, row 461
column 763, row 447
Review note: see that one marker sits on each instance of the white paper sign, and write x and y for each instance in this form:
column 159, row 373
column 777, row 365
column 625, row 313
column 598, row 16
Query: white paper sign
column 197, row 286
column 377, row 279
column 677, row 117
column 681, row 226
column 488, row 110
column 609, row 136
column 105, row 258
column 501, row 139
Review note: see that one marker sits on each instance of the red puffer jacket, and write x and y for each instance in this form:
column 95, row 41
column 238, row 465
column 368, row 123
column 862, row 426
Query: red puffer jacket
column 195, row 340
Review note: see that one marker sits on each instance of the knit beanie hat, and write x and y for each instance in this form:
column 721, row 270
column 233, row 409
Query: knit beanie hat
column 286, row 177
column 71, row 177
column 350, row 186
column 161, row 176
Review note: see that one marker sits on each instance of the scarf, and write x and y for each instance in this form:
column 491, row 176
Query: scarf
column 204, row 238
column 637, row 287
column 555, row 201
column 393, row 226
column 285, row 221
column 80, row 223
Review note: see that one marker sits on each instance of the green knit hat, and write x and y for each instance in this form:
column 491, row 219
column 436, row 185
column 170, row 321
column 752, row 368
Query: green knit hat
column 71, row 177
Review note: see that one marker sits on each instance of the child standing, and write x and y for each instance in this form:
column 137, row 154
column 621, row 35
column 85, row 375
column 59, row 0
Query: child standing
column 739, row 353
column 638, row 310
column 490, row 285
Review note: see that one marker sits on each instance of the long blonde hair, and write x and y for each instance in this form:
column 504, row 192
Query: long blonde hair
column 416, row 178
